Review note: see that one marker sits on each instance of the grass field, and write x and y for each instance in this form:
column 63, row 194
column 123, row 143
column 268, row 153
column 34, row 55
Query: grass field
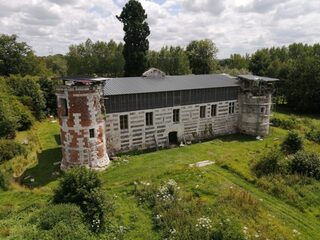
column 274, row 218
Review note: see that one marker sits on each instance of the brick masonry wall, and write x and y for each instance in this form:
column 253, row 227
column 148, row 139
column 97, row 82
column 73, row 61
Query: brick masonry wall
column 84, row 113
column 191, row 127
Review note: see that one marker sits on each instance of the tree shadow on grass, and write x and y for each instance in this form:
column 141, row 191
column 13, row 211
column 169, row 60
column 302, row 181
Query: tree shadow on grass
column 46, row 170
column 237, row 137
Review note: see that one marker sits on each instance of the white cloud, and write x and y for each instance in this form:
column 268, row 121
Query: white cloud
column 50, row 26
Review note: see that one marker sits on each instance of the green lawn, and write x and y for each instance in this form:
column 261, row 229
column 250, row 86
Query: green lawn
column 274, row 219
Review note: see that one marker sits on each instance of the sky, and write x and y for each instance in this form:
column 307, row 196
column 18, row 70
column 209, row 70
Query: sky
column 235, row 26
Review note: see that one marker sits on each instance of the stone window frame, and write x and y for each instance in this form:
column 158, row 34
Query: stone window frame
column 231, row 107
column 176, row 115
column 92, row 133
column 149, row 118
column 124, row 121
column 214, row 110
column 64, row 106
column 202, row 111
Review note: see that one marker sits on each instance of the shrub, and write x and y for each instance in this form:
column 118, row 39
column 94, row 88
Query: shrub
column 63, row 221
column 9, row 149
column 313, row 135
column 269, row 164
column 292, row 143
column 82, row 187
column 307, row 164
column 4, row 181
column 50, row 216
column 7, row 129
column 285, row 123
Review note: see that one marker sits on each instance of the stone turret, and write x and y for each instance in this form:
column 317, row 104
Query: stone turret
column 255, row 102
column 82, row 123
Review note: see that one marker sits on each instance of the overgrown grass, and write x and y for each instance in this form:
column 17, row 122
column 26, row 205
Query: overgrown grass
column 228, row 188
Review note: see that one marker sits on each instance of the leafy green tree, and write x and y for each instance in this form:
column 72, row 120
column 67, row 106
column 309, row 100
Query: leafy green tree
column 82, row 187
column 239, row 62
column 101, row 58
column 57, row 64
column 202, row 56
column 28, row 90
column 18, row 58
column 136, row 45
column 171, row 60
column 13, row 54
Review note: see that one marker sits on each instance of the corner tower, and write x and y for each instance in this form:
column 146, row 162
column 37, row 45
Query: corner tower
column 82, row 124
column 255, row 101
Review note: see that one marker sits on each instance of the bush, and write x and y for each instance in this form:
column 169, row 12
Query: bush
column 313, row 135
column 307, row 164
column 50, row 216
column 4, row 181
column 285, row 123
column 7, row 129
column 9, row 149
column 292, row 143
column 82, row 187
column 63, row 221
column 269, row 164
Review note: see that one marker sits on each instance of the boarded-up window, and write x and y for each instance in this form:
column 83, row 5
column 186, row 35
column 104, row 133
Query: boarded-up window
column 202, row 111
column 123, row 121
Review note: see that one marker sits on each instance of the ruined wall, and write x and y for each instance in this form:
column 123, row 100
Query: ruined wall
column 190, row 127
column 82, row 127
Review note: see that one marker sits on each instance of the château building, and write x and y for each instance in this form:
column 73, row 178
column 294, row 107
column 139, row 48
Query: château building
column 106, row 116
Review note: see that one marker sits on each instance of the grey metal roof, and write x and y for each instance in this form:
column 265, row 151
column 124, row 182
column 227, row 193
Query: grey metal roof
column 257, row 78
column 132, row 85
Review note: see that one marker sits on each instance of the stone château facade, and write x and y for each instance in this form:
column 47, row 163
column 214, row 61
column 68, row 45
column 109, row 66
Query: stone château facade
column 108, row 116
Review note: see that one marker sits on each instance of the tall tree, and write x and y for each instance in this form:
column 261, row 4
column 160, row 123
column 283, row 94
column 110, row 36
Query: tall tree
column 136, row 45
column 171, row 60
column 202, row 56
column 16, row 57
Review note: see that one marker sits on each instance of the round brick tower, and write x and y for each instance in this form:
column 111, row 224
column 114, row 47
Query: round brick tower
column 82, row 124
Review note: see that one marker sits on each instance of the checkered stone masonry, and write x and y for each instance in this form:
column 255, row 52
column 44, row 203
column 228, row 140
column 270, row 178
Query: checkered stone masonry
column 82, row 127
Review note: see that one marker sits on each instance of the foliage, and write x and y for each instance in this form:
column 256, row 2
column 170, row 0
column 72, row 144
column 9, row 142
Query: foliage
column 270, row 163
column 82, row 187
column 4, row 181
column 171, row 60
column 306, row 164
column 18, row 58
column 202, row 56
column 48, row 86
column 136, row 45
column 236, row 61
column 295, row 65
column 292, row 143
column 51, row 215
column 9, row 149
column 57, row 64
column 101, row 58
column 63, row 221
column 285, row 123
column 28, row 90
column 228, row 230
column 13, row 115
column 313, row 134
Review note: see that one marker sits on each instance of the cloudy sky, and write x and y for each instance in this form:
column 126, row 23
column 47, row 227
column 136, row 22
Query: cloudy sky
column 236, row 26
